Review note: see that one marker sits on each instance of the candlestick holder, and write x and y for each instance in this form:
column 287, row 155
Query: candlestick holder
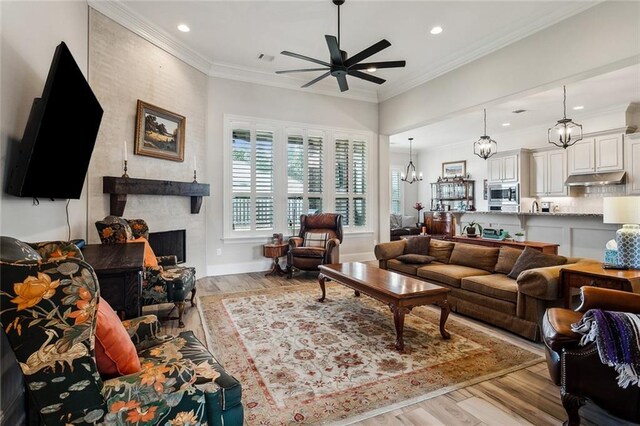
column 125, row 175
column 194, row 176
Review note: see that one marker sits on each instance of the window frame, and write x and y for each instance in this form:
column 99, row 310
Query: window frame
column 396, row 169
column 281, row 131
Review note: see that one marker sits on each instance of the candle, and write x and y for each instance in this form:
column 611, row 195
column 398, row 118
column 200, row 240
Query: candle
column 193, row 163
column 125, row 150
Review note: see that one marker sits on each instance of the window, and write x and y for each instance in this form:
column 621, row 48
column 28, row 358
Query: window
column 324, row 172
column 396, row 192
column 252, row 205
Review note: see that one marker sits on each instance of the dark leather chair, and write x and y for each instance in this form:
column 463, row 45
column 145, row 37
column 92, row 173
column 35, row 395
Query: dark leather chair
column 578, row 369
column 303, row 257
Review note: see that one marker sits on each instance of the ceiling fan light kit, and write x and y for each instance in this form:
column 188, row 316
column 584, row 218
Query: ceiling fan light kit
column 566, row 132
column 340, row 65
column 485, row 147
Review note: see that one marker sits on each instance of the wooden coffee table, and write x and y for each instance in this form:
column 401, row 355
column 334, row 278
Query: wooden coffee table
column 400, row 292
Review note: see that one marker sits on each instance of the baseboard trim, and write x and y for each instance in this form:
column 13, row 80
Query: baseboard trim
column 265, row 265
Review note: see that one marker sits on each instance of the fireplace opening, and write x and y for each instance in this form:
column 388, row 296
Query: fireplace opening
column 170, row 243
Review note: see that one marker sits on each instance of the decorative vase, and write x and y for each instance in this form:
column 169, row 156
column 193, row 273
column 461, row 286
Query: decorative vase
column 628, row 239
column 519, row 238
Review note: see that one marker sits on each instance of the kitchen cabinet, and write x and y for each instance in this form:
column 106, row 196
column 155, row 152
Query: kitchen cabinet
column 503, row 169
column 632, row 166
column 548, row 173
column 596, row 154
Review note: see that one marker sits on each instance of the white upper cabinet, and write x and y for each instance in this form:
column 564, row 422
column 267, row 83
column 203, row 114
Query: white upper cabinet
column 632, row 147
column 495, row 169
column 548, row 173
column 597, row 154
column 504, row 169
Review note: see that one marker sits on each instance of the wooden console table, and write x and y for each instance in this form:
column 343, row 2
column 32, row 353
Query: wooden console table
column 543, row 247
column 593, row 274
column 119, row 268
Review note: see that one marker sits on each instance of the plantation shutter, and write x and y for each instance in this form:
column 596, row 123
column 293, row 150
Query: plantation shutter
column 342, row 166
column 314, row 164
column 264, row 180
column 395, row 191
column 295, row 164
column 359, row 167
column 241, row 179
column 342, row 207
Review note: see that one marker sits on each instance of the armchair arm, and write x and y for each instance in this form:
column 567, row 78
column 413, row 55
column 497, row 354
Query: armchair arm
column 332, row 251
column 541, row 283
column 295, row 242
column 608, row 299
column 144, row 331
column 170, row 260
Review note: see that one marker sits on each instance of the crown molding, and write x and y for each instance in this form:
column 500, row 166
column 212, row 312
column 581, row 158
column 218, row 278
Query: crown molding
column 123, row 15
column 522, row 29
column 248, row 75
column 131, row 20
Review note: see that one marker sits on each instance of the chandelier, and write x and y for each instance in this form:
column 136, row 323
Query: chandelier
column 485, row 147
column 566, row 130
column 410, row 175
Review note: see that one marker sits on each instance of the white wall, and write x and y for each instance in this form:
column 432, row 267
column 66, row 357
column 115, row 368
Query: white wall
column 410, row 195
column 30, row 33
column 254, row 100
column 124, row 67
column 602, row 38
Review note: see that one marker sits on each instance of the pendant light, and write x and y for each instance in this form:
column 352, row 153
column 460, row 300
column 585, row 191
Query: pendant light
column 485, row 147
column 566, row 132
column 410, row 175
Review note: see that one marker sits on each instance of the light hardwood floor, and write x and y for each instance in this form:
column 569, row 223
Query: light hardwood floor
column 524, row 397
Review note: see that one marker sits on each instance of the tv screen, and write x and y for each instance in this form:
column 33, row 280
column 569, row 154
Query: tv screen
column 53, row 157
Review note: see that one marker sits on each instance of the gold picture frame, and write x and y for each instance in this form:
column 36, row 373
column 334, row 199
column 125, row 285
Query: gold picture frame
column 454, row 169
column 159, row 133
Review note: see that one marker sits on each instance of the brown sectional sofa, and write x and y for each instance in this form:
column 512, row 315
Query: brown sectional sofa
column 480, row 287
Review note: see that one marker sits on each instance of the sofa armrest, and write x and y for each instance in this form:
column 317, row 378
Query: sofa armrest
column 609, row 300
column 144, row 331
column 541, row 283
column 390, row 250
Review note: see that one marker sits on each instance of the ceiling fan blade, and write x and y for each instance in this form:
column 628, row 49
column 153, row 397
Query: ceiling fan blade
column 369, row 51
column 379, row 65
column 315, row 80
column 306, row 58
column 334, row 50
column 302, row 70
column 366, row 76
column 342, row 82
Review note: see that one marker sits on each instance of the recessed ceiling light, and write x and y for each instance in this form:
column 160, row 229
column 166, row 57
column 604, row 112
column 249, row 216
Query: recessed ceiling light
column 184, row 28
column 436, row 30
column 372, row 69
column 506, row 124
column 579, row 107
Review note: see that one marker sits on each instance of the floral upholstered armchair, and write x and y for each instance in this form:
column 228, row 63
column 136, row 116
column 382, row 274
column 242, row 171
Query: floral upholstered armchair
column 165, row 283
column 48, row 303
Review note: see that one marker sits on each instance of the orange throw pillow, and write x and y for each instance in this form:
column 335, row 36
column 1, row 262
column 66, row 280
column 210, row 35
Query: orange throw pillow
column 150, row 258
column 115, row 353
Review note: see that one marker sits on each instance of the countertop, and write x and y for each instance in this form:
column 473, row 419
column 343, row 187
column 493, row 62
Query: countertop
column 558, row 214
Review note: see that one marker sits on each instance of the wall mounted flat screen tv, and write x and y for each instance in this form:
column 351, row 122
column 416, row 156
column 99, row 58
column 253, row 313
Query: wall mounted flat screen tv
column 53, row 157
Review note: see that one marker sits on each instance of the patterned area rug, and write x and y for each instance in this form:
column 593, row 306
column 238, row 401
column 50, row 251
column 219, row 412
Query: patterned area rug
column 301, row 361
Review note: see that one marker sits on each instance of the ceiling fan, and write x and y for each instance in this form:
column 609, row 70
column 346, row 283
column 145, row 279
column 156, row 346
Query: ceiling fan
column 340, row 65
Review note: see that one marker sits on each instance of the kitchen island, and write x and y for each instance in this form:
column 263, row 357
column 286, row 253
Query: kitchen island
column 578, row 234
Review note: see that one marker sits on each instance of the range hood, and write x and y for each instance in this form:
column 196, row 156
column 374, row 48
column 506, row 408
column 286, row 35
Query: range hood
column 596, row 179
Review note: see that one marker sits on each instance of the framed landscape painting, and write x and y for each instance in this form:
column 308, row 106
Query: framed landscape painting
column 454, row 169
column 159, row 133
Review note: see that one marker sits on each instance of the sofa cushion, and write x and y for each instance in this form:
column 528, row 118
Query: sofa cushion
column 315, row 239
column 395, row 221
column 315, row 252
column 474, row 256
column 448, row 274
column 417, row 245
column 415, row 258
column 408, row 221
column 405, row 268
column 506, row 259
column 115, row 353
column 498, row 286
column 531, row 259
column 441, row 250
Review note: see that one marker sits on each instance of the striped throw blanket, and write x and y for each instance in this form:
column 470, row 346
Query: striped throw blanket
column 617, row 337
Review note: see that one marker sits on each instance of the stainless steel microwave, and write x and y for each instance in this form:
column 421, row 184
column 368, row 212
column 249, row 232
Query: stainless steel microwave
column 504, row 194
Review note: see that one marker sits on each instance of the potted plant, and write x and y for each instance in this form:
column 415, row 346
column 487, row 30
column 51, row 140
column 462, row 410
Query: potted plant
column 470, row 229
column 519, row 237
column 418, row 206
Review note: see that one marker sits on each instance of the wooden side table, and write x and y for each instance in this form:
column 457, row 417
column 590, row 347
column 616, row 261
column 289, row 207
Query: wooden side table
column 275, row 252
column 594, row 275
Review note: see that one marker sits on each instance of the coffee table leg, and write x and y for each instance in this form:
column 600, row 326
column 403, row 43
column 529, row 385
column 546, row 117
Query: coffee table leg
column 357, row 293
column 398, row 321
column 321, row 279
column 444, row 314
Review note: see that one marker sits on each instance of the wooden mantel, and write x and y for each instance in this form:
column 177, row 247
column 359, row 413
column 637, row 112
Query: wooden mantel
column 119, row 187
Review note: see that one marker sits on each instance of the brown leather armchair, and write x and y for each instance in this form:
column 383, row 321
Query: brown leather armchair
column 305, row 258
column 578, row 369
